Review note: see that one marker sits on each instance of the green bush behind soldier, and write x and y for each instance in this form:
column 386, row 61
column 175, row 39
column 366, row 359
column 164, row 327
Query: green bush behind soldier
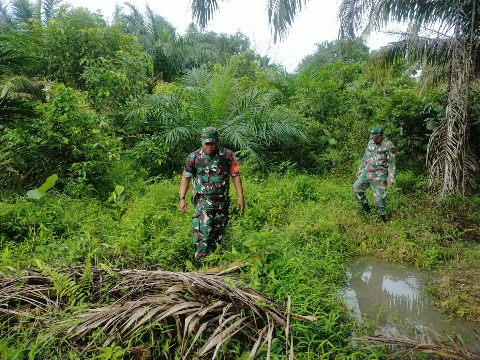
column 378, row 170
column 210, row 167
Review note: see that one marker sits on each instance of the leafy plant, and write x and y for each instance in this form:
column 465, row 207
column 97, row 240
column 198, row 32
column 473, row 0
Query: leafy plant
column 39, row 193
column 112, row 352
column 115, row 203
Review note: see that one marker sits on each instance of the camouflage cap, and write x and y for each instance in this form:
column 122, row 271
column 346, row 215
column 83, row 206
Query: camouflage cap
column 209, row 135
column 376, row 132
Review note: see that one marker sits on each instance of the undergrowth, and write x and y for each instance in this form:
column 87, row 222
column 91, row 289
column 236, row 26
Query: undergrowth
column 295, row 238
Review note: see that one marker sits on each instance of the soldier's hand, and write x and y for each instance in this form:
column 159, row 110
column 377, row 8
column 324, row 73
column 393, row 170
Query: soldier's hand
column 389, row 185
column 182, row 205
column 358, row 173
column 241, row 204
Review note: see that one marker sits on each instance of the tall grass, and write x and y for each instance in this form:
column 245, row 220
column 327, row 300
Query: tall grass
column 295, row 238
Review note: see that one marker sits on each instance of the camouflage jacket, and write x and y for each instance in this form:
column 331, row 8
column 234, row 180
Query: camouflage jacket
column 379, row 161
column 211, row 173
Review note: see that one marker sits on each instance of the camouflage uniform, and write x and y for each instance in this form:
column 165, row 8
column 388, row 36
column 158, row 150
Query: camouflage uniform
column 210, row 195
column 376, row 170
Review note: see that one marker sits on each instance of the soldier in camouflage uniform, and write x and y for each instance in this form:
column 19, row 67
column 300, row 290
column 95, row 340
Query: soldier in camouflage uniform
column 376, row 170
column 210, row 167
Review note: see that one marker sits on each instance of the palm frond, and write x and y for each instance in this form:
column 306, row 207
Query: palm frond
column 6, row 19
column 197, row 78
column 361, row 17
column 15, row 57
column 169, row 118
column 50, row 9
column 117, row 13
column 22, row 10
column 135, row 22
column 447, row 348
column 235, row 133
column 433, row 77
column 16, row 86
column 156, row 25
column 203, row 11
column 161, row 298
column 221, row 89
column 284, row 128
column 428, row 51
column 281, row 14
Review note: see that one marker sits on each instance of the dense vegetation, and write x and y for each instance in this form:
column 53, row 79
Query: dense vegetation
column 96, row 120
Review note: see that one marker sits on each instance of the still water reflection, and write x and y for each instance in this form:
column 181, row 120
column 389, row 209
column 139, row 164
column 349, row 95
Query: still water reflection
column 392, row 295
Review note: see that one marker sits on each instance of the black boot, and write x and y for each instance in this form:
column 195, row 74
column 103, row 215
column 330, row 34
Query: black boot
column 384, row 218
column 365, row 209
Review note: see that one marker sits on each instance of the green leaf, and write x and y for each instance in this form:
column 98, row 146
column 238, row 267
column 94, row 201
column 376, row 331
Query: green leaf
column 49, row 183
column 34, row 194
column 119, row 189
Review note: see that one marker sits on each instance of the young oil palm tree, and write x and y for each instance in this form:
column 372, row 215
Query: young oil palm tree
column 247, row 118
column 16, row 60
column 444, row 35
column 16, row 91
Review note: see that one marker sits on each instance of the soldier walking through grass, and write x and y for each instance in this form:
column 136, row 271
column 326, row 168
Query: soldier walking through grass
column 210, row 167
column 376, row 170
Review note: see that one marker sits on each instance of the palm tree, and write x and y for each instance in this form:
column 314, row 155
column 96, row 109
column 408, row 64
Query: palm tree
column 172, row 54
column 246, row 117
column 16, row 12
column 16, row 89
column 444, row 35
column 16, row 60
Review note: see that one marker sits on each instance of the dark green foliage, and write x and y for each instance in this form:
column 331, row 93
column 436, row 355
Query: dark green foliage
column 344, row 100
column 68, row 140
column 78, row 41
column 411, row 183
column 354, row 51
column 15, row 53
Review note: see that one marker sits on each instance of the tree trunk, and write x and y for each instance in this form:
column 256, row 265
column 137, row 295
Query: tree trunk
column 450, row 161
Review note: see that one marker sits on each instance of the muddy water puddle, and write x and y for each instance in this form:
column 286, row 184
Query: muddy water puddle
column 393, row 297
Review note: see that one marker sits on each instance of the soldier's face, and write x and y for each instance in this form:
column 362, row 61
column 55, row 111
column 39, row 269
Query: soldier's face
column 378, row 139
column 210, row 148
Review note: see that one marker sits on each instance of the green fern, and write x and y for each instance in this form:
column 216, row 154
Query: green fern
column 65, row 286
column 110, row 272
column 86, row 280
column 108, row 284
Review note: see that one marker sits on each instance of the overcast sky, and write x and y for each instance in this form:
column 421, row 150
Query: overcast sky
column 315, row 24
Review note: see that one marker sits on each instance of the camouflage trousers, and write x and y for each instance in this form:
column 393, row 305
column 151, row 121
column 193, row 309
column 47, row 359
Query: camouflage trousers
column 210, row 220
column 379, row 189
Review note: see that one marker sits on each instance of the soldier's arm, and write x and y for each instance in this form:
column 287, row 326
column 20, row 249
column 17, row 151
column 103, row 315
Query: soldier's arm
column 184, row 185
column 237, row 182
column 188, row 172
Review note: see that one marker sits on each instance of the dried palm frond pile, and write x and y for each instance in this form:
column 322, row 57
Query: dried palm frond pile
column 200, row 312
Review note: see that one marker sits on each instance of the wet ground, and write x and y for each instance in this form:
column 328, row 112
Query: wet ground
column 393, row 297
